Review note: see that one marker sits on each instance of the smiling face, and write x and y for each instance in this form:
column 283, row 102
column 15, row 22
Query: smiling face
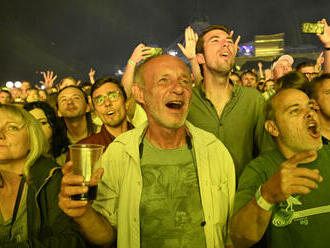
column 14, row 139
column 71, row 103
column 167, row 91
column 297, row 126
column 111, row 110
column 219, row 53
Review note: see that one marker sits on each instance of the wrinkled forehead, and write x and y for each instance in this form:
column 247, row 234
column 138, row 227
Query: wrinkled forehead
column 289, row 97
column 216, row 33
column 165, row 65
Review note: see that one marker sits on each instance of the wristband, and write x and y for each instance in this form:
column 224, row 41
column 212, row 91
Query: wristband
column 262, row 202
column 131, row 62
column 326, row 48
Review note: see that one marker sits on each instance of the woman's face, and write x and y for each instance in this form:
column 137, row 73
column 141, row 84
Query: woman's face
column 39, row 114
column 14, row 138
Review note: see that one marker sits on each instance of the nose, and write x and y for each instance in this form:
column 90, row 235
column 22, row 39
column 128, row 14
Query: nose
column 2, row 133
column 107, row 102
column 177, row 87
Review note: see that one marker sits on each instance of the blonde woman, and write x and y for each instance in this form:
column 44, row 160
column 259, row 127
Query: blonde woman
column 29, row 185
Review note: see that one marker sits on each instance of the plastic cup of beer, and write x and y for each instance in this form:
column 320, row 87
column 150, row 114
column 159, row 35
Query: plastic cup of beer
column 84, row 158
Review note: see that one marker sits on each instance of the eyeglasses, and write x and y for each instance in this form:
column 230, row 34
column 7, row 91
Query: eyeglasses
column 111, row 95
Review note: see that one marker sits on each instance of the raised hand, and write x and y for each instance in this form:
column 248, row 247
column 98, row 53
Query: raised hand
column 189, row 50
column 290, row 179
column 325, row 37
column 236, row 41
column 139, row 54
column 91, row 75
column 49, row 78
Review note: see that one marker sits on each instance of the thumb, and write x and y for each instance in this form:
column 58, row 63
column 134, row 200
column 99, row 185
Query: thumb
column 96, row 177
column 302, row 158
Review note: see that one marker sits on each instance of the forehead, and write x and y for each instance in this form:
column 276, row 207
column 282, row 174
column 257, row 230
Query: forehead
column 38, row 113
column 290, row 97
column 283, row 62
column 165, row 65
column 325, row 84
column 70, row 91
column 248, row 75
column 9, row 117
column 4, row 93
column 105, row 88
column 216, row 33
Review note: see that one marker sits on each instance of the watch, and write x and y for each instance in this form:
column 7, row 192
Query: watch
column 262, row 202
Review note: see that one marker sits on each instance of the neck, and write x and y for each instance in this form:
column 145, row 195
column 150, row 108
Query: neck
column 116, row 131
column 166, row 138
column 77, row 127
column 10, row 172
column 216, row 83
column 325, row 124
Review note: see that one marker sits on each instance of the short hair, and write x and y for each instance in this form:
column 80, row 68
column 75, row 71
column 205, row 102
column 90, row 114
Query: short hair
column 249, row 72
column 67, row 78
column 200, row 41
column 105, row 80
column 76, row 87
column 312, row 90
column 303, row 65
column 37, row 139
column 6, row 91
column 90, row 126
column 60, row 141
column 293, row 80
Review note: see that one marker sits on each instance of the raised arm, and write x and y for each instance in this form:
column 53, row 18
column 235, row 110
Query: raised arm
column 325, row 39
column 249, row 223
column 93, row 225
column 91, row 75
column 140, row 53
column 189, row 51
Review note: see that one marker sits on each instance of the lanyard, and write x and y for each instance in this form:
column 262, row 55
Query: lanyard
column 17, row 202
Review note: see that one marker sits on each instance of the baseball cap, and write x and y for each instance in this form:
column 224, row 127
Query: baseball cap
column 286, row 57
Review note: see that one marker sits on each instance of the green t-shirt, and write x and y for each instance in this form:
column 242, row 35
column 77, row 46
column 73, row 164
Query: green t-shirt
column 288, row 226
column 19, row 228
column 171, row 213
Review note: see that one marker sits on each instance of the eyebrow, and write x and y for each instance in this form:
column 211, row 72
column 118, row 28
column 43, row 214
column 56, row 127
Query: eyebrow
column 291, row 106
column 218, row 36
column 75, row 94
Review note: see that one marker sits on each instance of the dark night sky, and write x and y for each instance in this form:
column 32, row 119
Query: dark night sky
column 70, row 36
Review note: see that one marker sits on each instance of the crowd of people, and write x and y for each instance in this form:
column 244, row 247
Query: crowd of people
column 195, row 155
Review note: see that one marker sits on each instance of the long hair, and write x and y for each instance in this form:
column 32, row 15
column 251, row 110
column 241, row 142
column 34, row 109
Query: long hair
column 59, row 142
column 38, row 144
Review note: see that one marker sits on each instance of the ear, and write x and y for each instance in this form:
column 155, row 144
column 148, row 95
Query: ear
column 137, row 93
column 200, row 58
column 59, row 114
column 272, row 128
column 316, row 106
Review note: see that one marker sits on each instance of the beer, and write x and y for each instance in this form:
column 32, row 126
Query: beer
column 88, row 196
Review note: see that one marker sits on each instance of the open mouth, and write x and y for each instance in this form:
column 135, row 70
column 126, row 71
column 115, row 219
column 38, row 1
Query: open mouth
column 313, row 129
column 174, row 104
column 110, row 113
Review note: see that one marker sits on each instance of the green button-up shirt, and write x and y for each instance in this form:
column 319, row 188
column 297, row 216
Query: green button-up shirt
column 240, row 126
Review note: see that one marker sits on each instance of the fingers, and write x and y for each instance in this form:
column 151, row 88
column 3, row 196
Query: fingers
column 307, row 173
column 67, row 167
column 304, row 182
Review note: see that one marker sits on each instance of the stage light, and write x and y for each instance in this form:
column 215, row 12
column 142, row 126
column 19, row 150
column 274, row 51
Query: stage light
column 18, row 84
column 10, row 84
column 43, row 87
column 172, row 52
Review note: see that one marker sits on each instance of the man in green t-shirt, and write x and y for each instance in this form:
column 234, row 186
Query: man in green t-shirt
column 283, row 195
column 166, row 183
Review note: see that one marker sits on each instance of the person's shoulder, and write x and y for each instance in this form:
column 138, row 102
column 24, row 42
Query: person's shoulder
column 267, row 161
column 248, row 92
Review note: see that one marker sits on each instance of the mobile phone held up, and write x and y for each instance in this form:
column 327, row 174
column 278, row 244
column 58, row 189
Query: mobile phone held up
column 312, row 28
